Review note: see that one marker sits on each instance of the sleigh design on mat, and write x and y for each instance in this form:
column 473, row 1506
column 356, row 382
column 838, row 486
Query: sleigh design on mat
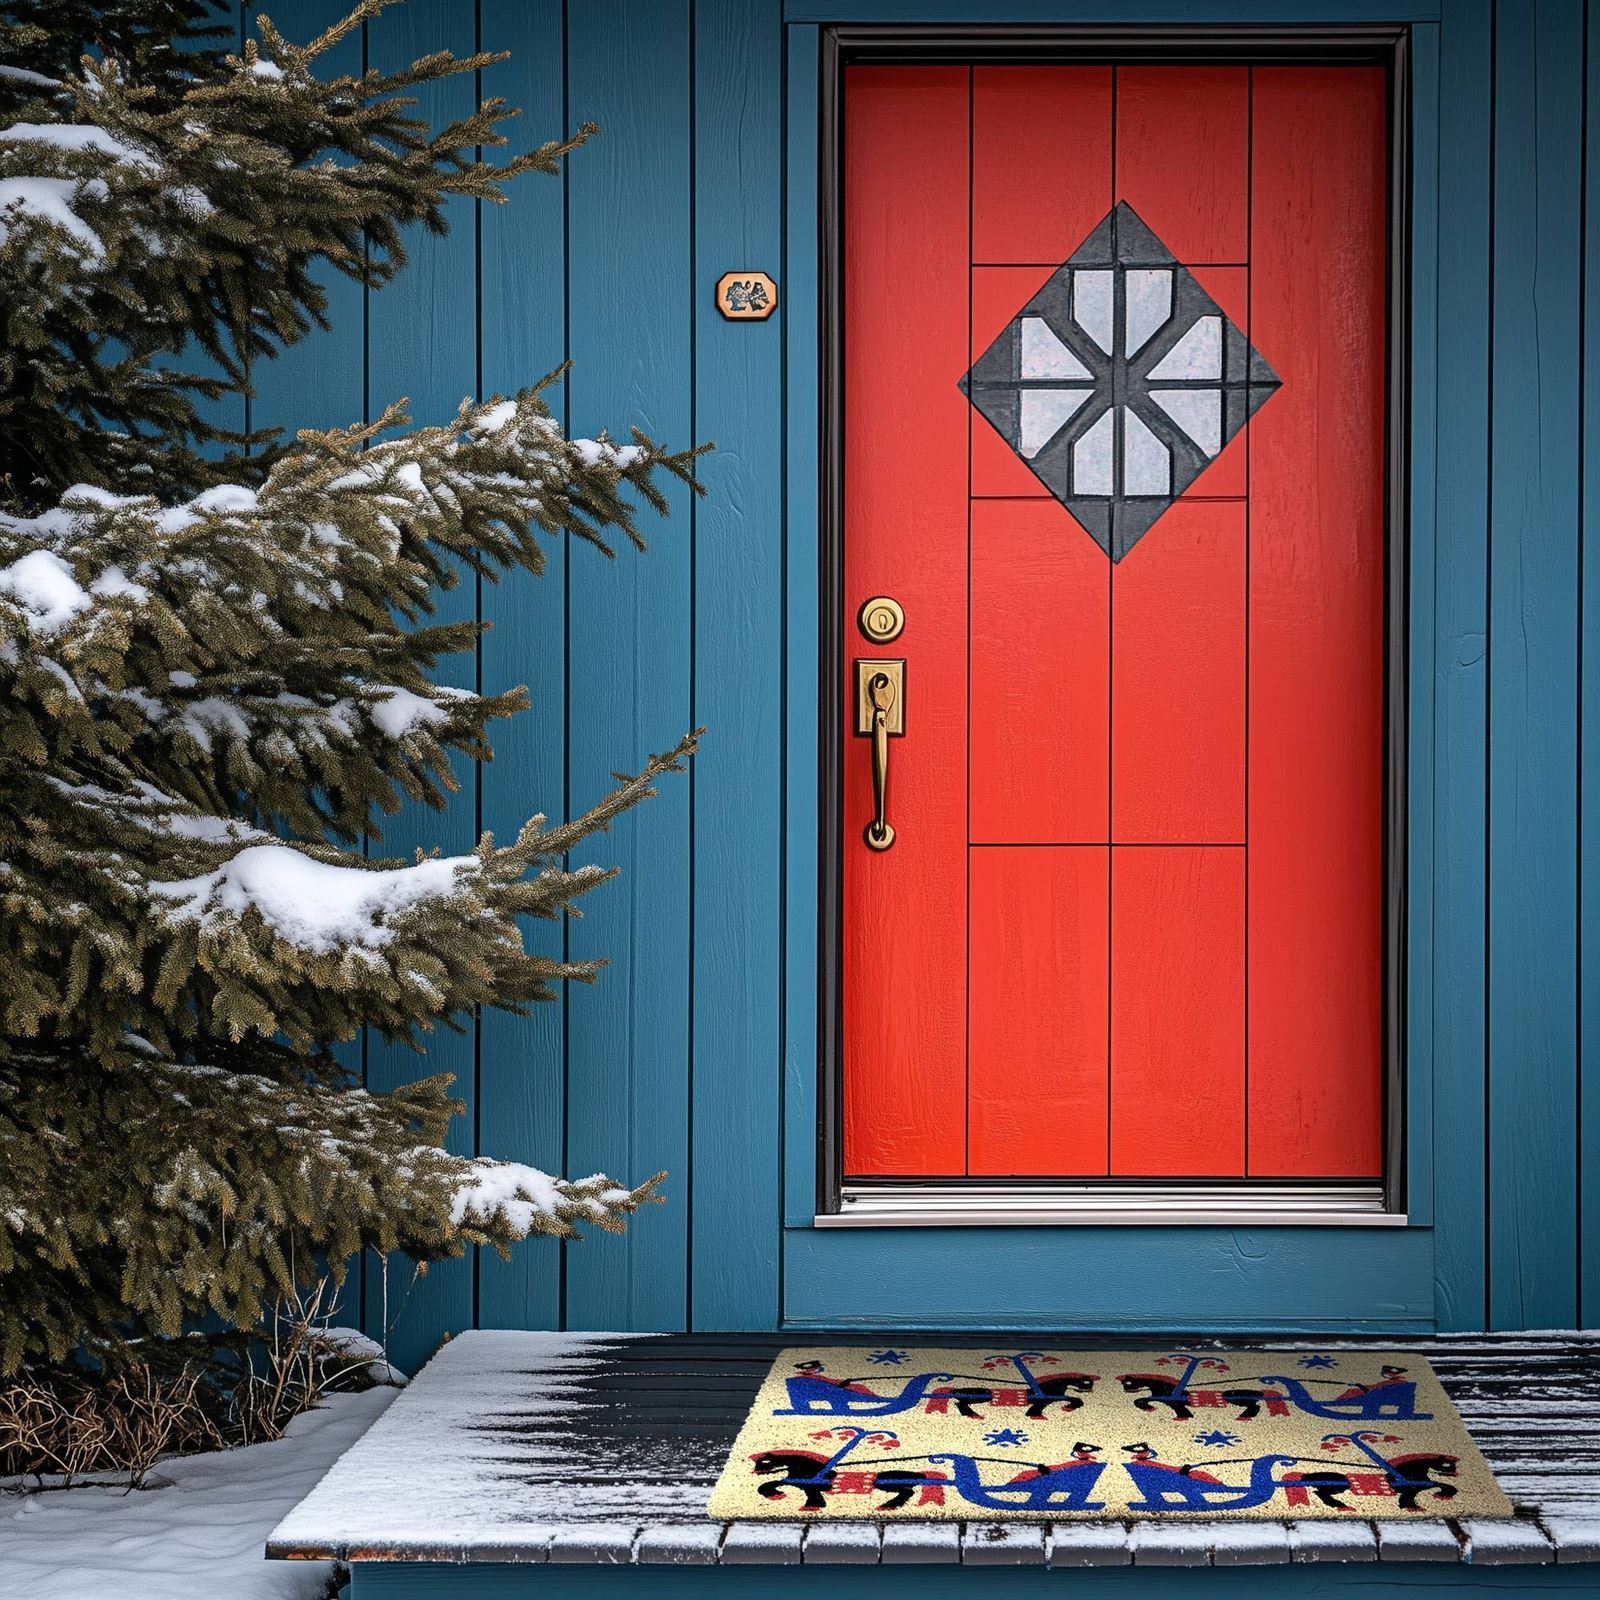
column 1067, row 1486
column 811, row 1479
column 813, row 1392
column 1391, row 1399
column 945, row 1432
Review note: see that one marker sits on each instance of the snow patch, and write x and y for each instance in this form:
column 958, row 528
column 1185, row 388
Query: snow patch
column 211, row 716
column 50, row 200
column 46, row 588
column 76, row 137
column 192, row 202
column 314, row 904
column 521, row 1193
column 199, row 1537
column 399, row 712
column 114, row 582
column 592, row 452
column 224, row 498
column 362, row 1347
column 91, row 494
column 23, row 75
column 495, row 418
column 444, row 1465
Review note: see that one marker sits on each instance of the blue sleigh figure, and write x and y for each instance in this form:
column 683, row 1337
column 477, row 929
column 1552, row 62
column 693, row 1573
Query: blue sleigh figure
column 812, row 1394
column 1068, row 1487
column 1167, row 1489
column 1391, row 1399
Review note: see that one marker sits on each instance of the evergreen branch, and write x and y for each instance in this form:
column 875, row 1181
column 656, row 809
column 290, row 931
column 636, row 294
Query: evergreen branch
column 217, row 674
column 276, row 1162
column 161, row 209
column 628, row 793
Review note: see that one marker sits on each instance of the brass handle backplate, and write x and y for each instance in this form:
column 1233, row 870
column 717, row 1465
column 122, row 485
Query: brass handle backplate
column 880, row 713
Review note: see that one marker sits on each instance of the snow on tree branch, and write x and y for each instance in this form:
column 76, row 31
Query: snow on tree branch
column 157, row 172
column 219, row 665
column 254, row 1157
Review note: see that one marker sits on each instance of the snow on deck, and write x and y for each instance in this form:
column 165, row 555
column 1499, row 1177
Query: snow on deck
column 448, row 1465
column 604, row 1447
column 198, row 1536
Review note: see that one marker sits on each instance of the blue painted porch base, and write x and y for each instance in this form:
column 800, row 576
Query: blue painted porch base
column 1349, row 1581
column 1227, row 1280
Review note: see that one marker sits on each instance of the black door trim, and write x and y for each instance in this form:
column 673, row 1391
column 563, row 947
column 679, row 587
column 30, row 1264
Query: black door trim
column 990, row 45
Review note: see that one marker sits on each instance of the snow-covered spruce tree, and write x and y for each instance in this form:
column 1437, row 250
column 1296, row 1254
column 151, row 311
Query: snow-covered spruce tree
column 216, row 679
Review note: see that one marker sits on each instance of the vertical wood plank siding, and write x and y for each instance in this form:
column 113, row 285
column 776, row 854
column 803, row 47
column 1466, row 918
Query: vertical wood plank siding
column 696, row 1049
column 1458, row 792
column 1588, row 1118
column 630, row 203
column 738, row 673
column 420, row 348
column 1533, row 660
column 522, row 310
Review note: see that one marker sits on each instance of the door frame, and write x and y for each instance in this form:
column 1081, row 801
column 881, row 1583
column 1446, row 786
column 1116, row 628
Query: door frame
column 943, row 1202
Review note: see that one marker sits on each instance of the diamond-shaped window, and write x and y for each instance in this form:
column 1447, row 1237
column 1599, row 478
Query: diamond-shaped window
column 1119, row 382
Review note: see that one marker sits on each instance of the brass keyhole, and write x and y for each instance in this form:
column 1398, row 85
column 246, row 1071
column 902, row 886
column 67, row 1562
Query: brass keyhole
column 881, row 619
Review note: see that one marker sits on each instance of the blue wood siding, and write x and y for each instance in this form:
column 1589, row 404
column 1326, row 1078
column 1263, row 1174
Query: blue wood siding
column 522, row 329
column 1309, row 1581
column 1452, row 795
column 696, row 1051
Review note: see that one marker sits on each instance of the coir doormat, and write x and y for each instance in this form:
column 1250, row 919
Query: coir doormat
column 923, row 1432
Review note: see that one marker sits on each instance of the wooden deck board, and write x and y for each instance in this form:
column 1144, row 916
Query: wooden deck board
column 842, row 1544
column 1322, row 1539
column 908, row 1544
column 1519, row 1543
column 1170, row 1544
column 603, row 1448
column 1003, row 1544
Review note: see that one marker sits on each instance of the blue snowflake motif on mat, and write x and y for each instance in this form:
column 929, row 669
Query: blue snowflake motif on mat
column 1215, row 1436
column 1005, row 1436
column 888, row 1358
column 1317, row 1361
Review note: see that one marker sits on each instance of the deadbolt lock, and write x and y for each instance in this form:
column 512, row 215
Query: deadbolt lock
column 881, row 619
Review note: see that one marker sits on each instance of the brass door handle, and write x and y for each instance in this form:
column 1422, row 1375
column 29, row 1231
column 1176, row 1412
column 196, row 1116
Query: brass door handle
column 880, row 833
column 880, row 712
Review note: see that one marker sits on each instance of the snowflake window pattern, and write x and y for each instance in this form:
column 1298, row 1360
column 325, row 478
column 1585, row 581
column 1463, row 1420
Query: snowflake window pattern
column 1119, row 382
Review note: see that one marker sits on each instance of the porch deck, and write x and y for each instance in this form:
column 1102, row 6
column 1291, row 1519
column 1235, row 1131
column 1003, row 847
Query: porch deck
column 517, row 1448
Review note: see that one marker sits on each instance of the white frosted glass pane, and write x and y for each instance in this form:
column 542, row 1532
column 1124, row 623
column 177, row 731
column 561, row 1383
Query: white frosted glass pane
column 1045, row 356
column 1146, row 462
column 1091, row 305
column 1043, row 412
column 1091, row 458
column 1197, row 411
column 1198, row 354
column 1149, row 292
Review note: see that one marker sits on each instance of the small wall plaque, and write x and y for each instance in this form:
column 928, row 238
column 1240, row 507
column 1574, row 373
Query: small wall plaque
column 746, row 296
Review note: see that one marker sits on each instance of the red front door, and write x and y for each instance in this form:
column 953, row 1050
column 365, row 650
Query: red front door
column 1114, row 440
